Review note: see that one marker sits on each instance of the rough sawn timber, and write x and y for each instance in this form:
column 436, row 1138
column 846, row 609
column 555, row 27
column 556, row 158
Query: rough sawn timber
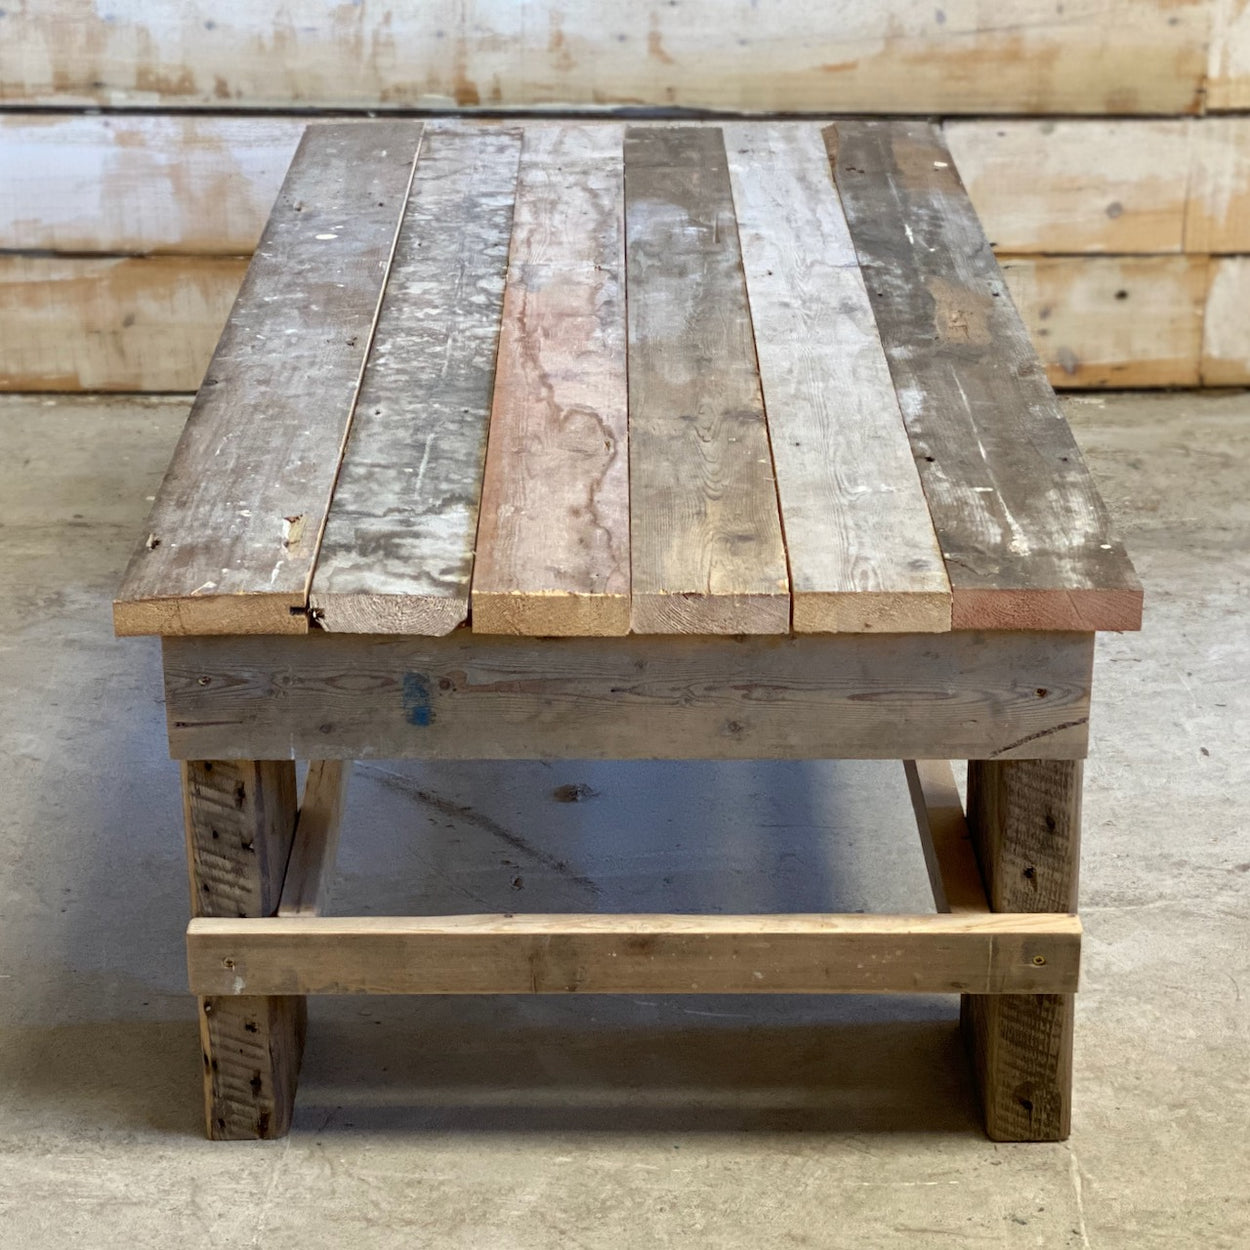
column 862, row 553
column 836, row 696
column 553, row 542
column 397, row 555
column 234, row 531
column 1023, row 530
column 705, row 532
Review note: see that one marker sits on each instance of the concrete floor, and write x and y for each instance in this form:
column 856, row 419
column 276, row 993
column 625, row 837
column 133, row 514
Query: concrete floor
column 597, row 1122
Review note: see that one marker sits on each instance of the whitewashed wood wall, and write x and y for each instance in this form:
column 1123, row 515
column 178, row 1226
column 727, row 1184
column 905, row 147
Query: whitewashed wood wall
column 141, row 142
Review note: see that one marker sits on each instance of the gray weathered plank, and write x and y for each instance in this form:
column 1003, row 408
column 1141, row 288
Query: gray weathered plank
column 397, row 556
column 861, row 546
column 835, row 696
column 553, row 544
column 1023, row 530
column 707, row 549
column 233, row 534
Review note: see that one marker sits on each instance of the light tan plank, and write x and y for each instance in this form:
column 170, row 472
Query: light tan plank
column 862, row 552
column 836, row 696
column 1018, row 56
column 553, row 542
column 233, row 534
column 1226, row 326
column 115, row 324
column 1115, row 320
column 306, row 886
column 140, row 183
column 705, row 530
column 651, row 954
column 397, row 554
column 1076, row 186
column 1218, row 219
column 944, row 837
column 1228, row 82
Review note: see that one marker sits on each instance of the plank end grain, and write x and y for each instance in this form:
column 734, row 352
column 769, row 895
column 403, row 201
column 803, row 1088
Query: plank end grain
column 871, row 612
column 210, row 614
column 1079, row 610
column 428, row 615
column 682, row 613
column 550, row 614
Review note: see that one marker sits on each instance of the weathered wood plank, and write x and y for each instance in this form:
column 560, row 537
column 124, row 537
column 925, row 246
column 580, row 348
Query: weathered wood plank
column 1023, row 530
column 705, row 532
column 240, row 820
column 467, row 697
column 234, row 531
column 624, row 954
column 1228, row 72
column 1226, row 327
column 1106, row 321
column 1218, row 217
column 861, row 548
column 140, row 183
column 1025, row 819
column 397, row 554
column 306, row 885
column 553, row 544
column 1077, row 186
column 1018, row 56
column 111, row 324
column 948, row 855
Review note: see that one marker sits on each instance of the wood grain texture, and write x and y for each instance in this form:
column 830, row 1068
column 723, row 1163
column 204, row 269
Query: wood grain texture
column 234, row 531
column 553, row 542
column 949, row 858
column 1020, row 56
column 1023, row 530
column 310, row 867
column 1111, row 321
column 466, row 697
column 1228, row 76
column 240, row 821
column 1226, row 327
column 397, row 553
column 1077, row 186
column 1025, row 818
column 862, row 553
column 644, row 954
column 705, row 533
column 112, row 324
column 141, row 183
column 1218, row 217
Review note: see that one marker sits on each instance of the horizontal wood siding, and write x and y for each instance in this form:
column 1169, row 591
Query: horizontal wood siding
column 907, row 56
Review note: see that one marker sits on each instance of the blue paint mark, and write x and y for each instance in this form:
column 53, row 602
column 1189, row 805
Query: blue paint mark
column 417, row 707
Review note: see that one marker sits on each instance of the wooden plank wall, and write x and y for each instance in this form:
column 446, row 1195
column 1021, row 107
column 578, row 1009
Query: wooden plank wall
column 1123, row 223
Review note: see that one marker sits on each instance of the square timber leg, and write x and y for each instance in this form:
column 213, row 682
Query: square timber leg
column 1024, row 817
column 240, row 822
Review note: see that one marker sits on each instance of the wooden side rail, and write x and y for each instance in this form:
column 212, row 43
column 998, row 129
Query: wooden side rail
column 634, row 954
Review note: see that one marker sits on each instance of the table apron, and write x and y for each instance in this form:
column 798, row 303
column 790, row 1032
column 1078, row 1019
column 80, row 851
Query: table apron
column 960, row 695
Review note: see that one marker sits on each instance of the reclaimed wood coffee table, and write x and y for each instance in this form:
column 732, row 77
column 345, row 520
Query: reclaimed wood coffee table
column 583, row 440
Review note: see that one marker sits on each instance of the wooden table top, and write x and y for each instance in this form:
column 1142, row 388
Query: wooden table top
column 590, row 378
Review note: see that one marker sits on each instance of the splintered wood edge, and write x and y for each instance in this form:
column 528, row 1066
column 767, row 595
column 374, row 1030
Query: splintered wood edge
column 871, row 612
column 553, row 614
column 420, row 616
column 1084, row 611
column 210, row 614
column 711, row 614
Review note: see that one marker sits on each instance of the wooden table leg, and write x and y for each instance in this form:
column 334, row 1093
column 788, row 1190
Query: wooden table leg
column 1025, row 820
column 240, row 820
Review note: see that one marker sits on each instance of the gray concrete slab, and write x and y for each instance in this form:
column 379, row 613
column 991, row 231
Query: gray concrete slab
column 619, row 1122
